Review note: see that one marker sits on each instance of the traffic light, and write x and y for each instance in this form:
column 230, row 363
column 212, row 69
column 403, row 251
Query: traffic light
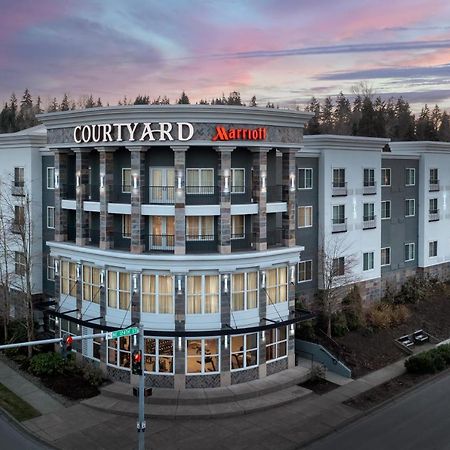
column 69, row 340
column 136, row 363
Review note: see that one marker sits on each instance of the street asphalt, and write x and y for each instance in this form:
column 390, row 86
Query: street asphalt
column 417, row 421
column 12, row 438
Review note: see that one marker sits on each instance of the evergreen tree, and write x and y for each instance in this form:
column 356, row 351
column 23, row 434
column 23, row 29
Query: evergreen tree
column 327, row 124
column 379, row 120
column 184, row 99
column 53, row 106
column 99, row 103
column 270, row 105
column 142, row 100
column 404, row 127
column 313, row 126
column 234, row 99
column 366, row 126
column 424, row 125
column 436, row 118
column 64, row 103
column 90, row 103
column 356, row 114
column 390, row 118
column 444, row 128
column 253, row 101
column 342, row 115
column 25, row 117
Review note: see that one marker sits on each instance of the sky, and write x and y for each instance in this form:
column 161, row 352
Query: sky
column 282, row 51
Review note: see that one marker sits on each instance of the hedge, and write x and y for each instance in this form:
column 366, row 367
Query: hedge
column 431, row 361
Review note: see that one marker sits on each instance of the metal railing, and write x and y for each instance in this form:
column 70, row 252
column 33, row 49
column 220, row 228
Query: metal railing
column 433, row 216
column 199, row 238
column 18, row 188
column 339, row 189
column 163, row 195
column 338, row 225
column 434, row 185
column 161, row 241
column 369, row 222
column 200, row 190
column 370, row 189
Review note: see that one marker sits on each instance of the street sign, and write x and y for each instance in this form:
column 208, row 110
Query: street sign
column 120, row 333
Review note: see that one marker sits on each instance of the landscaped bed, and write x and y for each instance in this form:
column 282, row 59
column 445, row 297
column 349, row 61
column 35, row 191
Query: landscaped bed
column 319, row 385
column 15, row 406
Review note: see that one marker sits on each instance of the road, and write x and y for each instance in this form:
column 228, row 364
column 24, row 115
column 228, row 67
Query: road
column 13, row 439
column 417, row 421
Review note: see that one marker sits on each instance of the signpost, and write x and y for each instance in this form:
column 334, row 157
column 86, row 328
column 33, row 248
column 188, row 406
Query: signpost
column 121, row 333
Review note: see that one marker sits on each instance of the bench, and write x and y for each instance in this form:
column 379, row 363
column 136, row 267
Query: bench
column 406, row 341
column 420, row 336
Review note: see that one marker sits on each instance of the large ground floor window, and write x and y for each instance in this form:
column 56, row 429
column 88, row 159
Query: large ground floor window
column 244, row 351
column 119, row 353
column 202, row 356
column 158, row 355
column 276, row 343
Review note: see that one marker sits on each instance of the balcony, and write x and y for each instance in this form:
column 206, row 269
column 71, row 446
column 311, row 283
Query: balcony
column 161, row 195
column 17, row 227
column 18, row 188
column 339, row 189
column 434, row 185
column 274, row 193
column 202, row 195
column 370, row 189
column 369, row 223
column 163, row 242
column 338, row 225
column 433, row 216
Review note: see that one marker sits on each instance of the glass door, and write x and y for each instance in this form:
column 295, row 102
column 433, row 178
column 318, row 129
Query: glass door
column 162, row 185
column 162, row 233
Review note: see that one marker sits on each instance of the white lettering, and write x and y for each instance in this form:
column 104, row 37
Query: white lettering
column 180, row 131
column 86, row 137
column 147, row 132
column 107, row 132
column 119, row 130
column 131, row 129
column 75, row 138
column 165, row 128
column 96, row 136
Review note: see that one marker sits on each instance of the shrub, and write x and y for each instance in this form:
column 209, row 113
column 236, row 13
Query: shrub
column 93, row 375
column 47, row 364
column 385, row 315
column 432, row 361
column 339, row 324
column 353, row 310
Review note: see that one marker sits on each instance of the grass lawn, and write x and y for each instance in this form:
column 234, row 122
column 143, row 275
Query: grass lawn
column 18, row 408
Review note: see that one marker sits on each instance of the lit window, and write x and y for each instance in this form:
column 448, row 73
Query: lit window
column 199, row 228
column 126, row 180
column 202, row 356
column 304, row 271
column 199, row 181
column 158, row 355
column 244, row 291
column 119, row 353
column 276, row 343
column 68, row 278
column 157, row 294
column 237, row 181
column 91, row 284
column 118, row 289
column 50, row 268
column 203, row 294
column 237, row 227
column 304, row 216
column 244, row 351
column 126, row 226
column 386, row 256
column 276, row 285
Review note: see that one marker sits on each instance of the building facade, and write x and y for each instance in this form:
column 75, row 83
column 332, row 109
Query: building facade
column 206, row 224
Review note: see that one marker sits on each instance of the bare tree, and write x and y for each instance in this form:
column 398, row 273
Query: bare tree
column 335, row 270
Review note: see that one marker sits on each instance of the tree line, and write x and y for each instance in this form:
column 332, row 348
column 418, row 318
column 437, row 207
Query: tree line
column 365, row 115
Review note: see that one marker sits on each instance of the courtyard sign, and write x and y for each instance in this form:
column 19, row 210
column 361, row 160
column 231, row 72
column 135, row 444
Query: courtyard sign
column 243, row 134
column 118, row 132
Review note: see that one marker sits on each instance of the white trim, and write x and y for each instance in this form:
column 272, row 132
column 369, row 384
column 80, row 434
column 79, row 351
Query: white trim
column 298, row 178
column 390, row 177
column 414, row 207
column 390, row 209
column 123, row 184
column 414, row 251
column 53, row 178
column 233, row 169
column 306, row 207
column 406, row 176
column 50, row 208
column 381, row 250
column 298, row 271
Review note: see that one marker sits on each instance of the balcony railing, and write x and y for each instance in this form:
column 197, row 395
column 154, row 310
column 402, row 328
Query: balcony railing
column 433, row 216
column 434, row 185
column 199, row 238
column 339, row 189
column 163, row 195
column 369, row 222
column 370, row 189
column 17, row 227
column 338, row 225
column 161, row 241
column 200, row 190
column 18, row 188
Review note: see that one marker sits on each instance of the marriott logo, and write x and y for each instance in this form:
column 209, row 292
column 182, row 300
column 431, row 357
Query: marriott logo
column 243, row 134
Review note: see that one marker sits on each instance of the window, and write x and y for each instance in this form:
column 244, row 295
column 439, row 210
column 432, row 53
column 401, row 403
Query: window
column 91, row 284
column 158, row 294
column 304, row 216
column 237, row 181
column 410, row 177
column 410, row 207
column 126, row 226
column 276, row 343
column 338, row 266
column 305, row 178
column 386, row 209
column 68, row 278
column 119, row 353
column 339, row 178
column 158, row 355
column 410, row 251
column 202, row 294
column 386, row 256
column 50, row 178
column 200, row 228
column 244, row 291
column 199, row 181
column 434, row 177
column 19, row 177
column 368, row 211
column 51, row 217
column 67, row 329
column 338, row 214
column 126, row 180
column 304, row 271
column 162, row 232
column 19, row 216
column 244, row 351
column 50, row 268
column 20, row 263
column 202, row 356
column 96, row 345
column 237, row 227
column 368, row 261
column 432, row 249
column 385, row 176
column 433, row 206
column 369, row 177
column 118, row 289
column 276, row 285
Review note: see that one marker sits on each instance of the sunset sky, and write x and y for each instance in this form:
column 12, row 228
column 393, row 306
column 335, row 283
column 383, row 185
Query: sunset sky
column 283, row 51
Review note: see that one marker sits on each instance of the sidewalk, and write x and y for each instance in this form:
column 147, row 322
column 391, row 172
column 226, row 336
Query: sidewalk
column 29, row 392
column 285, row 427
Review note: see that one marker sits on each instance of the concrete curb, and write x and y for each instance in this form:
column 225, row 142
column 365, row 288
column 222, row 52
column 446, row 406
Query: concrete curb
column 362, row 414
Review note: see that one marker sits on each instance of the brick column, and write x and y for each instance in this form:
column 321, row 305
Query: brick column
column 82, row 194
column 291, row 303
column 61, row 162
column 259, row 223
column 106, row 159
column 135, row 313
column 138, row 233
column 180, row 198
column 289, row 188
column 180, row 325
column 224, row 225
column 103, row 309
column 262, row 313
column 225, row 318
